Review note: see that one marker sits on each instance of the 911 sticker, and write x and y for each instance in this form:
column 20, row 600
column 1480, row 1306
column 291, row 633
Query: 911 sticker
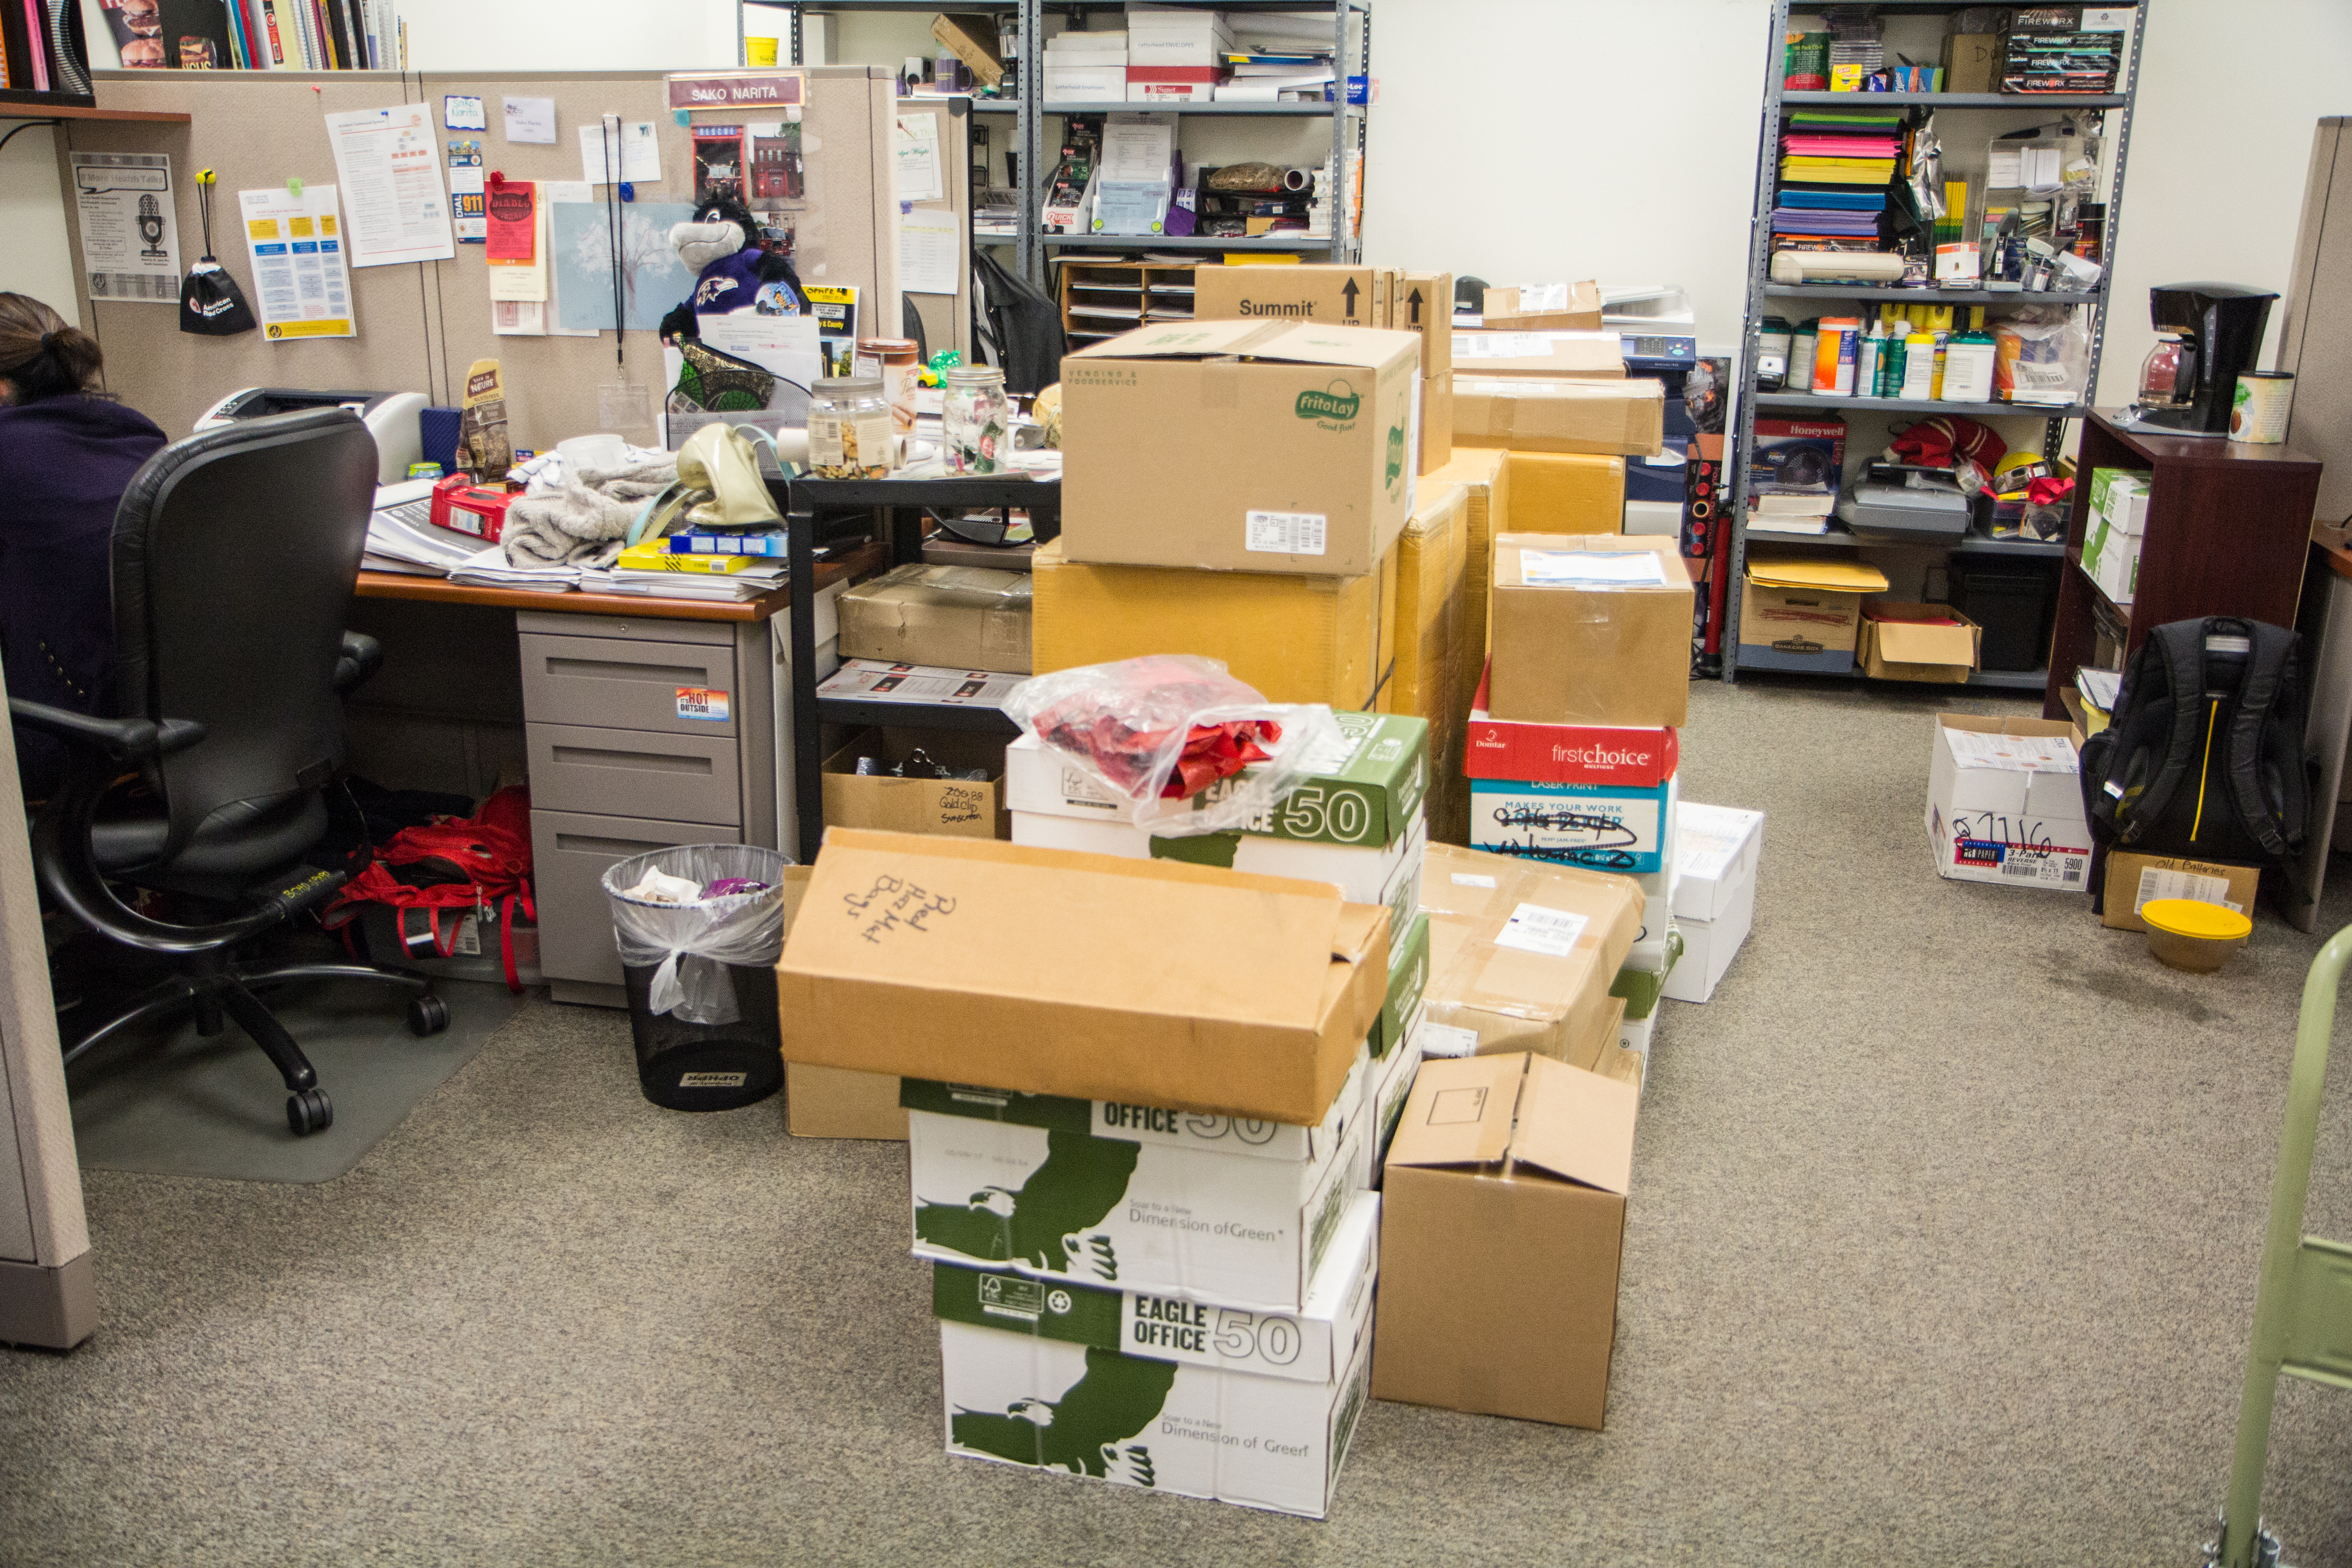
column 702, row 702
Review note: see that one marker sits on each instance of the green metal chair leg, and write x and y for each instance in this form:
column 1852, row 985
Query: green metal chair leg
column 2303, row 1309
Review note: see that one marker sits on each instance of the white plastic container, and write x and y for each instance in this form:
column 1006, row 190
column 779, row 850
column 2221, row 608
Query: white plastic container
column 1967, row 369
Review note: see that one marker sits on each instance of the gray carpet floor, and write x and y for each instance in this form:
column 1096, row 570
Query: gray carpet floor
column 1942, row 1251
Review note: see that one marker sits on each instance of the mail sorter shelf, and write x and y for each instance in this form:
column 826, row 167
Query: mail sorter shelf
column 892, row 512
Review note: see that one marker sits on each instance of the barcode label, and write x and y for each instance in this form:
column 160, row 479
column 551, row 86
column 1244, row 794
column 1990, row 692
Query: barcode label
column 1532, row 928
column 1446, row 1040
column 2159, row 884
column 132, row 286
column 1285, row 533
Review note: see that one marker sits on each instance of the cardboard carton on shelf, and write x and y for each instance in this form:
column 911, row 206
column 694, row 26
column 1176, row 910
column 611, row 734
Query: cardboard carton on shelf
column 1522, row 954
column 1556, row 307
column 962, row 617
column 1559, row 414
column 1292, row 638
column 1237, row 1210
column 1179, row 1394
column 2005, row 803
column 970, row 808
column 1144, row 981
column 834, row 1102
column 2132, row 880
column 972, row 39
column 1803, row 613
column 1171, row 457
column 1917, row 642
column 1590, row 630
column 1503, row 1215
column 1309, row 292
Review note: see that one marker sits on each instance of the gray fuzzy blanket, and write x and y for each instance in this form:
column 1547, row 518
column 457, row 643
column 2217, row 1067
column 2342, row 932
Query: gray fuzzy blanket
column 582, row 521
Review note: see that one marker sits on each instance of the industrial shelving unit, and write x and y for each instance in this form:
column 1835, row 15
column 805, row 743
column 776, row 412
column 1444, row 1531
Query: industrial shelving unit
column 1762, row 290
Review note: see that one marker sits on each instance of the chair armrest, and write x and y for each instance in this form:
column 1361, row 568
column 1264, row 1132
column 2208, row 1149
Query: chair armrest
column 124, row 740
column 362, row 656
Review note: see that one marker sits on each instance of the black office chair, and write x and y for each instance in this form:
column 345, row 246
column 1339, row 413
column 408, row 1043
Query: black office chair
column 1024, row 326
column 235, row 555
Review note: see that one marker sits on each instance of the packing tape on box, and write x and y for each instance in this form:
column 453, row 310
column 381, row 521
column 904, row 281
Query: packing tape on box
column 1221, row 384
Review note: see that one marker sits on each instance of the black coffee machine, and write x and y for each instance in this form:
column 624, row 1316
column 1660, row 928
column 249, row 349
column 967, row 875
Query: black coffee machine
column 2206, row 334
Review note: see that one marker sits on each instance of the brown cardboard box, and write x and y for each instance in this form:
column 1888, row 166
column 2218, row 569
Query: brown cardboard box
column 970, row 36
column 1485, row 477
column 1802, row 620
column 1430, row 637
column 966, row 808
column 1586, row 356
column 1296, row 640
column 1503, row 309
column 1146, row 982
column 2133, row 880
column 1436, row 424
column 1566, row 492
column 1325, row 296
column 1494, row 990
column 1239, row 445
column 834, row 1102
column 964, row 617
column 1971, row 62
column 1560, row 413
column 1502, row 1218
column 1909, row 650
column 1421, row 303
column 1572, row 655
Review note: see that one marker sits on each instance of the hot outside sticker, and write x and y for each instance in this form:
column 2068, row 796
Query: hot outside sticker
column 702, row 702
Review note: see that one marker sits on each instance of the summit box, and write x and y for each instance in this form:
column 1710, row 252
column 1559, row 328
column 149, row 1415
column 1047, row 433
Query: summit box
column 1240, row 445
column 1318, row 295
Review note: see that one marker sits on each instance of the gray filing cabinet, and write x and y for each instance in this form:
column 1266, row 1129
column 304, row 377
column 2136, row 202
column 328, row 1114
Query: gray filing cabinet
column 629, row 752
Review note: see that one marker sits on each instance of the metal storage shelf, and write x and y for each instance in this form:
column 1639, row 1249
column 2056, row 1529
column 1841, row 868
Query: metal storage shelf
column 1935, row 296
column 2023, row 101
column 1293, row 110
column 1964, row 544
column 1798, row 402
column 1188, row 241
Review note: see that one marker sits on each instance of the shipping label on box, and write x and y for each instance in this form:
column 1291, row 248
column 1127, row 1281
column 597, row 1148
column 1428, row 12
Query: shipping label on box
column 1624, row 828
column 2005, row 804
column 1262, row 1442
column 2134, row 879
column 1147, row 1216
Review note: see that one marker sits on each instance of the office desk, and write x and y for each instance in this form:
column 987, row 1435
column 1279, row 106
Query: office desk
column 644, row 722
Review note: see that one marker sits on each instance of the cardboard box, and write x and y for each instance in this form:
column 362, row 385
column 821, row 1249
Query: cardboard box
column 1385, row 1091
column 2132, row 880
column 1898, row 650
column 972, row 39
column 965, row 807
column 1239, row 445
column 1558, row 414
column 2115, row 530
column 1294, row 639
column 1624, row 828
column 1558, row 307
column 1434, row 435
column 833, row 1102
column 1568, row 652
column 1485, row 477
column 1583, row 356
column 1429, row 638
column 1567, row 753
column 1172, row 1202
column 1146, row 981
column 2005, row 803
column 964, row 617
column 1365, row 794
column 1311, row 292
column 1235, row 1405
column 1717, row 849
column 1421, row 303
column 1709, row 946
column 1971, row 62
column 1808, row 625
column 1502, row 1214
column 1408, row 976
column 1522, row 954
column 1566, row 492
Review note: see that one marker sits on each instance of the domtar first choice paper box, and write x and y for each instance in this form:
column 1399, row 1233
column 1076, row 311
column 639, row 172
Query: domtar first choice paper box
column 1058, row 973
column 1240, row 445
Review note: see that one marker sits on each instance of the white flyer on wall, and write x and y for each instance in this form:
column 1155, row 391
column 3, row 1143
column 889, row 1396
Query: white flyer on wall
column 389, row 161
column 301, row 284
column 130, row 243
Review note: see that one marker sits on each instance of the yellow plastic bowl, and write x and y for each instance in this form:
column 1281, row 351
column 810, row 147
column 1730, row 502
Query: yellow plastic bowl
column 2191, row 934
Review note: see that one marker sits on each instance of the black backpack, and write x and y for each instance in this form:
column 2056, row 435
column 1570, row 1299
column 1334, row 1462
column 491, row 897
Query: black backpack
column 2204, row 756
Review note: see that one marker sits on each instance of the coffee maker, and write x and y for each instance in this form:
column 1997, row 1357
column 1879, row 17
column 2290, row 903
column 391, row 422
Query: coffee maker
column 2206, row 334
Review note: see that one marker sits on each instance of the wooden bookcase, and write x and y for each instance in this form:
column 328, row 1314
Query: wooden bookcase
column 1103, row 298
column 2229, row 530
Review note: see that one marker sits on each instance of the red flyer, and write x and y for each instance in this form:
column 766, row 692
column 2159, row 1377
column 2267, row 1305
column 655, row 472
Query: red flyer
column 513, row 210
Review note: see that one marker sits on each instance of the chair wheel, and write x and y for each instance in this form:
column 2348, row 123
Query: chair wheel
column 428, row 1014
column 309, row 1110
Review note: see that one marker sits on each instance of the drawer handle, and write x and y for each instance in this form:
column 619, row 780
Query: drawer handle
column 643, row 762
column 615, row 669
column 619, row 849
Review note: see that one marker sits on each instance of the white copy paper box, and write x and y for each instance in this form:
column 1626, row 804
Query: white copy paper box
column 1717, row 848
column 2005, row 804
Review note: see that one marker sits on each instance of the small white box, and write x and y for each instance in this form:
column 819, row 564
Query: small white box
column 1104, row 84
column 1717, row 848
column 2005, row 803
column 1709, row 946
column 1386, row 1089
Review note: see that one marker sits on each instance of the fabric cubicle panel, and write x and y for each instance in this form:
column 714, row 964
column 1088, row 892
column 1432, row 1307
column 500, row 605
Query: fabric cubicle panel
column 422, row 324
column 947, row 320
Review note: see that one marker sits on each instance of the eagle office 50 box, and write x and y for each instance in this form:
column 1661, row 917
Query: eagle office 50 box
column 1240, row 445
column 1149, row 982
column 2005, row 803
column 1237, row 1210
column 1625, row 828
column 1295, row 639
column 1521, row 955
column 1560, row 413
column 1166, row 1392
column 1323, row 296
column 1591, row 629
column 1502, row 1213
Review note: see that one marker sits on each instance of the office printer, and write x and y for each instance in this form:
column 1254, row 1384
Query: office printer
column 390, row 416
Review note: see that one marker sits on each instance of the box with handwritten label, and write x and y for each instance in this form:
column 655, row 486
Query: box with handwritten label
column 2005, row 803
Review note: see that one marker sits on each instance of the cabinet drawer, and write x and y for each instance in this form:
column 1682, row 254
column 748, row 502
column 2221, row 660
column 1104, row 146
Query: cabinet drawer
column 569, row 853
column 623, row 684
column 634, row 773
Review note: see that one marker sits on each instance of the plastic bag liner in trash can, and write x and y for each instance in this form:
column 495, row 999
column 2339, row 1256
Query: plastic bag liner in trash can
column 702, row 977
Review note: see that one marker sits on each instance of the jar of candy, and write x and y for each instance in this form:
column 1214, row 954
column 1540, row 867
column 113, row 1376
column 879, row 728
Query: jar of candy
column 976, row 420
column 849, row 429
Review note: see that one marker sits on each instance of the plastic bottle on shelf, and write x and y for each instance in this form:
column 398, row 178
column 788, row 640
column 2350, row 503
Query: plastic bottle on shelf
column 1968, row 368
column 1834, row 355
column 1867, row 358
column 1801, row 344
column 1919, row 365
column 1940, row 325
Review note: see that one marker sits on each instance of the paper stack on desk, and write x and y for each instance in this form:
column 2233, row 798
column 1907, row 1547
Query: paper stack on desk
column 488, row 569
column 763, row 576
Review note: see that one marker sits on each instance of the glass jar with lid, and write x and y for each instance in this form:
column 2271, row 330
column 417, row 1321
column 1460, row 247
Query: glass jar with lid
column 849, row 429
column 975, row 420
column 896, row 361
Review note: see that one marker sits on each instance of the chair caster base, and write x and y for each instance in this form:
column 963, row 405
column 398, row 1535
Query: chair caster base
column 427, row 1014
column 309, row 1110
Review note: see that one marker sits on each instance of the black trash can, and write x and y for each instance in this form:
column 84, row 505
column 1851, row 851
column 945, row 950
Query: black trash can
column 702, row 977
column 2015, row 602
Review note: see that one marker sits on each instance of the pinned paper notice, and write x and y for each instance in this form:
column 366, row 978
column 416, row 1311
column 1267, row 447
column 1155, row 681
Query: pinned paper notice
column 1592, row 569
column 531, row 120
column 631, row 153
column 1533, row 928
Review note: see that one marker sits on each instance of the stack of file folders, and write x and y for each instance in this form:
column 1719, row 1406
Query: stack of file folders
column 1835, row 166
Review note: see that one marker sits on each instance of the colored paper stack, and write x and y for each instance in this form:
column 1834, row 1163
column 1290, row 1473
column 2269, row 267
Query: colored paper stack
column 1835, row 166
